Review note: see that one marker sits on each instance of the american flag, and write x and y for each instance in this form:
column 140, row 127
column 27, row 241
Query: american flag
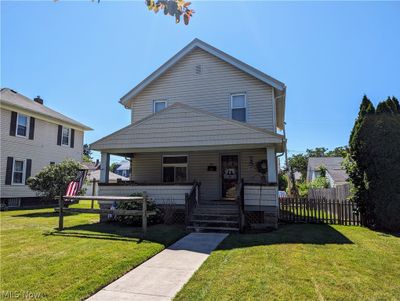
column 75, row 186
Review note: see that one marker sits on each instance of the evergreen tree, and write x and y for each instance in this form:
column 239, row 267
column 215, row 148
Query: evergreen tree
column 356, row 163
column 373, row 163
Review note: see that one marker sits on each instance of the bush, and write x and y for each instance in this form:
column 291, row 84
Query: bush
column 137, row 205
column 53, row 179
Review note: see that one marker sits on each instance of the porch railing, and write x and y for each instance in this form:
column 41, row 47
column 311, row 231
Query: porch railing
column 240, row 202
column 191, row 201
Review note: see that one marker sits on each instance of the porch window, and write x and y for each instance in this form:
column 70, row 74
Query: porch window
column 175, row 169
column 239, row 107
column 22, row 125
column 159, row 105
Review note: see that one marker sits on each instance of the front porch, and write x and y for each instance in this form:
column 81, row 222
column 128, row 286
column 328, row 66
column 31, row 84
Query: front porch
column 179, row 146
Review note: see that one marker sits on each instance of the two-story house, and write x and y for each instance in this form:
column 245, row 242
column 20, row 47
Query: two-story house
column 206, row 117
column 32, row 136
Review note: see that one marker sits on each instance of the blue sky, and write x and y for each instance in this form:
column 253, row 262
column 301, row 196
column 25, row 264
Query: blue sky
column 81, row 57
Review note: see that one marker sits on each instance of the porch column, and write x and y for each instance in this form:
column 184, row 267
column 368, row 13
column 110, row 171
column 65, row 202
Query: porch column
column 105, row 167
column 271, row 161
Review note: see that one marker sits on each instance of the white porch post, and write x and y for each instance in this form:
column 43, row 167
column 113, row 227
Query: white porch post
column 105, row 167
column 271, row 161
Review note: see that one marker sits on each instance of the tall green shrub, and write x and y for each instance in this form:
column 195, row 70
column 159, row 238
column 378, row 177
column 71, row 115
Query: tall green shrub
column 373, row 163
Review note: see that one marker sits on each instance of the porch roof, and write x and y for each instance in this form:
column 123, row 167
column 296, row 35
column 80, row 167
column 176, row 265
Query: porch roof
column 184, row 127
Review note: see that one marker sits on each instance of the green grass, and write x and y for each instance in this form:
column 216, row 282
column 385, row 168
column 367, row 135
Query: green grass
column 74, row 263
column 301, row 262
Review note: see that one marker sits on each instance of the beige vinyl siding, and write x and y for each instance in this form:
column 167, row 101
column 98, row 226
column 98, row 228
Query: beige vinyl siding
column 159, row 194
column 42, row 150
column 181, row 126
column 209, row 91
column 147, row 168
column 260, row 196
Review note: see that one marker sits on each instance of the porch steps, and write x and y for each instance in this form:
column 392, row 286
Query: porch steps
column 215, row 216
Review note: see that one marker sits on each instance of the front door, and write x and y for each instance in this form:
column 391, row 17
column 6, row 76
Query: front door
column 230, row 175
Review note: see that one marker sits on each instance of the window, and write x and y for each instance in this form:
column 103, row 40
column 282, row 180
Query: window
column 18, row 174
column 22, row 125
column 159, row 105
column 175, row 169
column 65, row 136
column 238, row 106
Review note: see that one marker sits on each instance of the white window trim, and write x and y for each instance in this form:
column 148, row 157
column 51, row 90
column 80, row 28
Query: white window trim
column 158, row 101
column 175, row 165
column 23, row 172
column 69, row 136
column 27, row 126
column 245, row 105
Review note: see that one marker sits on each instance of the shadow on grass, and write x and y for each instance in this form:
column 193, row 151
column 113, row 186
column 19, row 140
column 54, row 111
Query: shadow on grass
column 44, row 214
column 161, row 234
column 287, row 234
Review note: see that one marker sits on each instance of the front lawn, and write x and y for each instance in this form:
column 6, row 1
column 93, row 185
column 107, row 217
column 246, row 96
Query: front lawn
column 301, row 262
column 36, row 260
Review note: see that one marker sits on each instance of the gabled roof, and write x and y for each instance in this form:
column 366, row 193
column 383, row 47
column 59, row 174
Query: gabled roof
column 180, row 125
column 12, row 99
column 196, row 43
column 333, row 167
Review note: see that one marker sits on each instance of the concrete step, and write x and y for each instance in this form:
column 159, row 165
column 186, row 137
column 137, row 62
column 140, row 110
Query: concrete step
column 197, row 228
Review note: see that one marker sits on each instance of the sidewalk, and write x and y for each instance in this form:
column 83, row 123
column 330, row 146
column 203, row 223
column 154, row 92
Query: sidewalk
column 163, row 275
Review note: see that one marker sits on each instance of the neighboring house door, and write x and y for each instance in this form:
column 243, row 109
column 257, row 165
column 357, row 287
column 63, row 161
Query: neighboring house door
column 230, row 175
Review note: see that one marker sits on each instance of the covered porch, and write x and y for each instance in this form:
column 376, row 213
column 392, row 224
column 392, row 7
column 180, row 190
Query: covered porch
column 179, row 147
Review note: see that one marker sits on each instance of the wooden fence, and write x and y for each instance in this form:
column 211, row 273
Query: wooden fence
column 305, row 210
column 341, row 192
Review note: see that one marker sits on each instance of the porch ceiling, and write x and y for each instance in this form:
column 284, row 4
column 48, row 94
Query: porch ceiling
column 181, row 127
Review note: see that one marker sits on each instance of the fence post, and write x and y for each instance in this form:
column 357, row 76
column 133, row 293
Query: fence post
column 61, row 213
column 144, row 215
column 93, row 192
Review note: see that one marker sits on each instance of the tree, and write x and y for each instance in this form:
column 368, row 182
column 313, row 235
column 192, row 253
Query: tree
column 87, row 154
column 299, row 163
column 340, row 151
column 373, row 163
column 317, row 152
column 114, row 166
column 174, row 8
column 282, row 181
column 53, row 179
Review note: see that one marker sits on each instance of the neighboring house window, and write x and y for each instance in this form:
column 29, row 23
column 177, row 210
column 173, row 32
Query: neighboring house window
column 65, row 136
column 238, row 107
column 22, row 125
column 175, row 169
column 159, row 105
column 18, row 175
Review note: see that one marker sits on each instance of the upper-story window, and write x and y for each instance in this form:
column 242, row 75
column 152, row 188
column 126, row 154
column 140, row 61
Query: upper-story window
column 22, row 125
column 65, row 136
column 239, row 107
column 18, row 174
column 159, row 105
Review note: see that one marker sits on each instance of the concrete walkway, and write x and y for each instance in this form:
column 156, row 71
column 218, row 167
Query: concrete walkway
column 163, row 275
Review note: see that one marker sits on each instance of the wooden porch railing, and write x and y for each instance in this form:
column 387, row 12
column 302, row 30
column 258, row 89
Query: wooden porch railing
column 240, row 202
column 191, row 201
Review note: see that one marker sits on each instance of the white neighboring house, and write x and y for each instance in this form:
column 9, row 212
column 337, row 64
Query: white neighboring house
column 93, row 178
column 335, row 172
column 32, row 136
column 203, row 116
column 124, row 169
